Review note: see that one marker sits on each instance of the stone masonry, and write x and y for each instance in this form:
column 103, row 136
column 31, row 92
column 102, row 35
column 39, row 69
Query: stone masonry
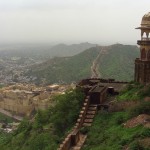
column 142, row 64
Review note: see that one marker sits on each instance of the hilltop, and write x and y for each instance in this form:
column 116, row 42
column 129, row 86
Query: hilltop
column 117, row 62
column 42, row 51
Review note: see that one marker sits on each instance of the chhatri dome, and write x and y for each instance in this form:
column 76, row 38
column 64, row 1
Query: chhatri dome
column 145, row 25
column 146, row 20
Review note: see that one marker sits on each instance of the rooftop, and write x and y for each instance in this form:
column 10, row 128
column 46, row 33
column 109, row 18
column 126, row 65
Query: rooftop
column 146, row 20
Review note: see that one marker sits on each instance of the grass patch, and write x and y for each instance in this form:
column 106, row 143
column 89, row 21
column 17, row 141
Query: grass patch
column 108, row 133
column 142, row 108
column 134, row 91
column 5, row 118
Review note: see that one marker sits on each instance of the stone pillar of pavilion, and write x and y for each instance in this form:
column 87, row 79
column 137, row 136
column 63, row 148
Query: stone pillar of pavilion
column 142, row 64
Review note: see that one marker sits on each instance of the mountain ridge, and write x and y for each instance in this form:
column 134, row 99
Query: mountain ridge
column 40, row 51
column 77, row 67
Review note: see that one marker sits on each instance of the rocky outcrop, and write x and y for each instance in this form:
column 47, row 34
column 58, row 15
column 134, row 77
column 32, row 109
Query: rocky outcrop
column 142, row 119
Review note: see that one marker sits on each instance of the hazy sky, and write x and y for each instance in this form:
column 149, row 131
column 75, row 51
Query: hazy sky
column 71, row 21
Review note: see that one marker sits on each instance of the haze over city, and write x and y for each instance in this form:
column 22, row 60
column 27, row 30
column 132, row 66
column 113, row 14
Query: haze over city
column 74, row 74
column 71, row 21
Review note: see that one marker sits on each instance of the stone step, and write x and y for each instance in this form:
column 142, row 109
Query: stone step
column 89, row 112
column 92, row 105
column 86, row 100
column 80, row 143
column 88, row 120
column 87, row 124
column 84, row 104
column 76, row 148
column 92, row 108
column 89, row 116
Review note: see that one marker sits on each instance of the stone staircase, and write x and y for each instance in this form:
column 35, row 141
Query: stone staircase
column 92, row 109
column 75, row 139
column 96, row 95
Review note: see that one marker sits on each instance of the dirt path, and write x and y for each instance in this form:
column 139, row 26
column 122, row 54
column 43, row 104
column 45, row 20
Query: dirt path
column 95, row 73
column 10, row 115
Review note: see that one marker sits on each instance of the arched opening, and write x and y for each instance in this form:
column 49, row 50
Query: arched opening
column 148, row 55
column 147, row 34
column 144, row 35
column 143, row 54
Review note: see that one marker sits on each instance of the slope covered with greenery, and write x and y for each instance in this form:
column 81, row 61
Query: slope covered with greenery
column 108, row 131
column 65, row 69
column 4, row 136
column 49, row 127
column 5, row 118
column 134, row 91
column 117, row 63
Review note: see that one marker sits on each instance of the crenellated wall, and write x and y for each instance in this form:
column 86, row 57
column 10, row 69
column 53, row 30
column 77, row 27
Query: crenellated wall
column 74, row 136
column 95, row 97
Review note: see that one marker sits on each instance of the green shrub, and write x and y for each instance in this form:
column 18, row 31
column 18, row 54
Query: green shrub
column 145, row 132
column 131, row 92
column 49, row 126
column 119, row 120
column 135, row 146
column 84, row 130
column 41, row 119
column 145, row 92
column 5, row 118
column 24, row 126
column 142, row 108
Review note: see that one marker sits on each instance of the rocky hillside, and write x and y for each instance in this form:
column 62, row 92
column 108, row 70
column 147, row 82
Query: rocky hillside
column 116, row 61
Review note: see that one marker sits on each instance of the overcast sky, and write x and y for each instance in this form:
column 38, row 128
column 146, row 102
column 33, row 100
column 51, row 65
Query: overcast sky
column 71, row 21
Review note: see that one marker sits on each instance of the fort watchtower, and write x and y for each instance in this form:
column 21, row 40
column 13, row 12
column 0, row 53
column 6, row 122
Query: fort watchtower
column 142, row 64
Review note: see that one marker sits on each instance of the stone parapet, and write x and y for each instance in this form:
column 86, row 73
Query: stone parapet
column 143, row 42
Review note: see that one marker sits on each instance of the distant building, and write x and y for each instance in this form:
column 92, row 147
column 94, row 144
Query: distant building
column 142, row 64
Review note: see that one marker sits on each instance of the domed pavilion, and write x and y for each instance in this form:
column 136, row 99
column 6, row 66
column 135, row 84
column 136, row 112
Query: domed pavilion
column 142, row 64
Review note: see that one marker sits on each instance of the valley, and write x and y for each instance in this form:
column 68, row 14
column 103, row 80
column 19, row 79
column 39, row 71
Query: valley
column 74, row 75
column 39, row 89
column 15, row 60
column 26, row 75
